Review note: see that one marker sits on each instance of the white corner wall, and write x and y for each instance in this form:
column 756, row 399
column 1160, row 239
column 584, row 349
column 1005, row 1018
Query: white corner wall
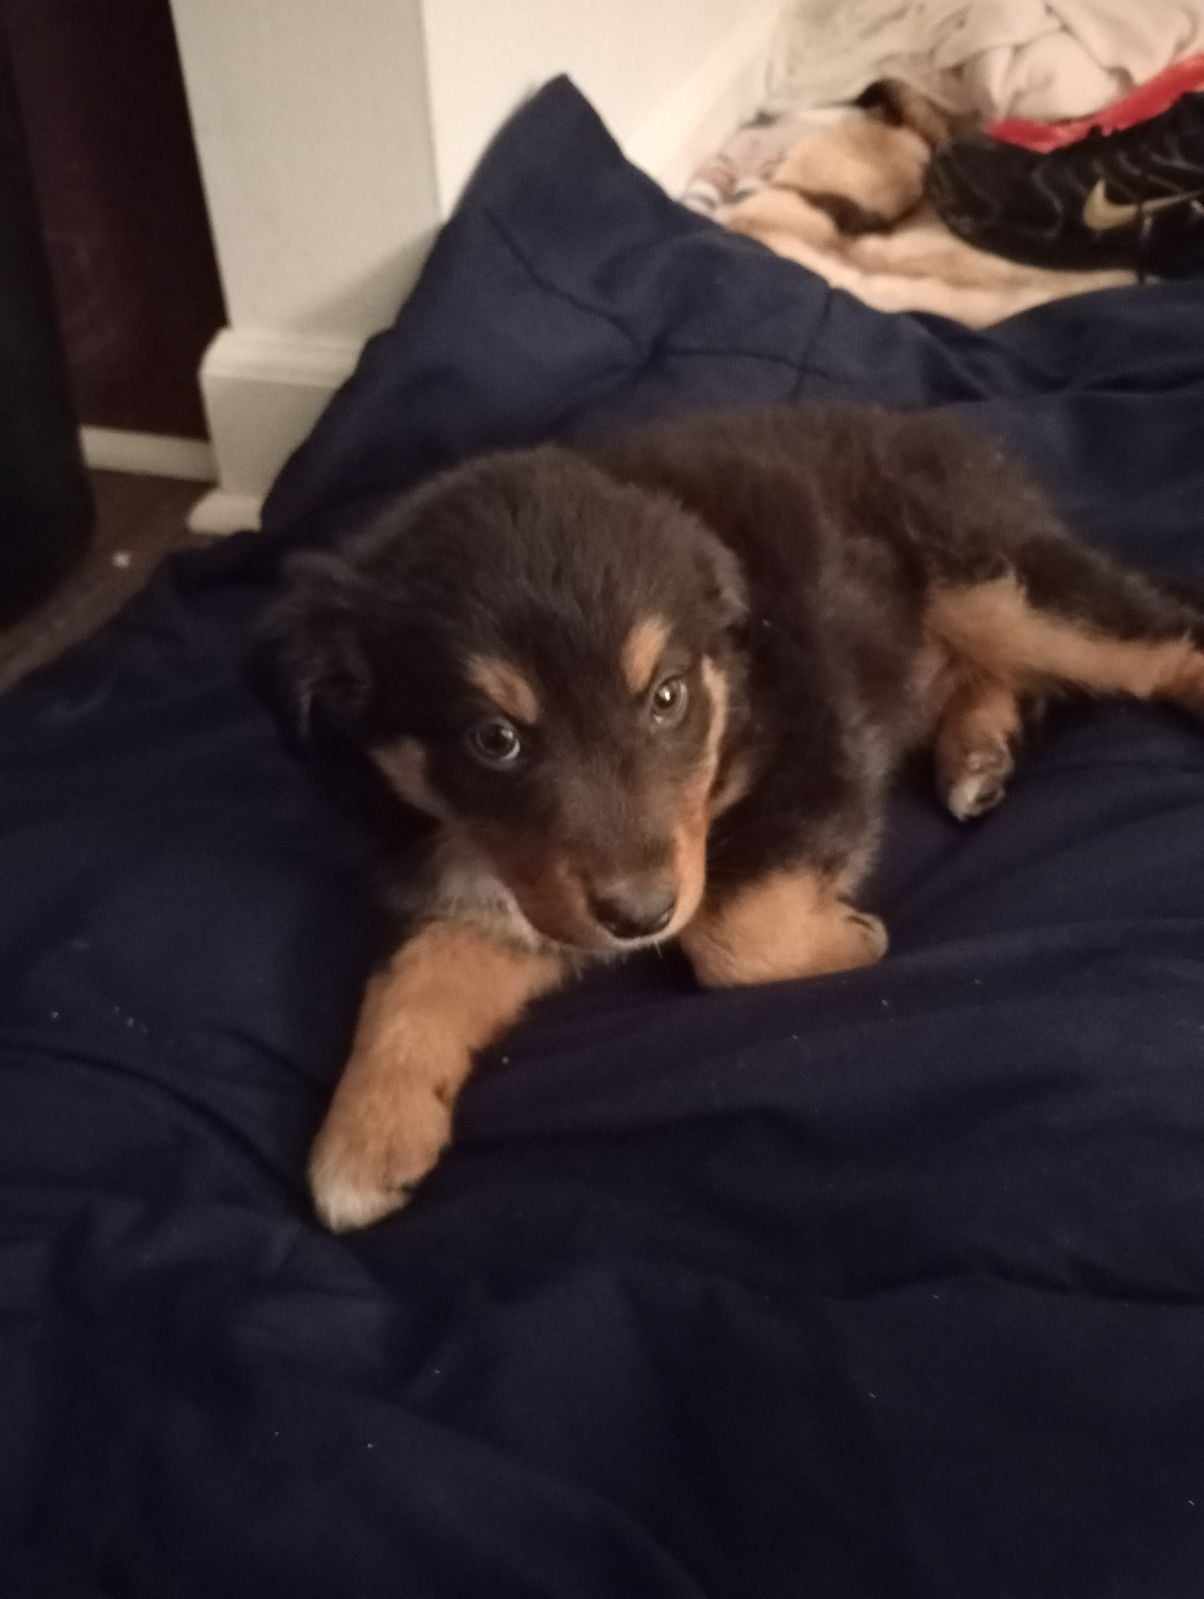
column 335, row 135
column 669, row 77
column 314, row 139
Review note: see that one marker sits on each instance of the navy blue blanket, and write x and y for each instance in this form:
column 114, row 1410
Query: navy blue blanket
column 889, row 1284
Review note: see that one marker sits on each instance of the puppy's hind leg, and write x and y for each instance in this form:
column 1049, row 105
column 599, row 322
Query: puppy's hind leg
column 975, row 747
column 1063, row 617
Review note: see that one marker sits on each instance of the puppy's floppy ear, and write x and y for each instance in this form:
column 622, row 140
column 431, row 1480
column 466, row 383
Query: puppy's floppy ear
column 725, row 581
column 312, row 654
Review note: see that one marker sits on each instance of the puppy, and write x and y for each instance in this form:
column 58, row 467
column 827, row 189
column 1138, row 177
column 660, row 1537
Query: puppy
column 656, row 688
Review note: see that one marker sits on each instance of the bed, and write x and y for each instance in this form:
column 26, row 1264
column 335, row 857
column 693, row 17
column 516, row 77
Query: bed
column 883, row 1285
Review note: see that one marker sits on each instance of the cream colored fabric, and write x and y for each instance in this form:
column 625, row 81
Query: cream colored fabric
column 917, row 265
column 1045, row 59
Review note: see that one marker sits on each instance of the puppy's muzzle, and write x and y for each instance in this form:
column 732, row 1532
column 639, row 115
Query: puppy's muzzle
column 634, row 907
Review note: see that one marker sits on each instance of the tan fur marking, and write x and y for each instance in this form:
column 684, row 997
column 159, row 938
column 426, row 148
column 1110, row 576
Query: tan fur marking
column 731, row 788
column 689, row 867
column 715, row 683
column 404, row 764
column 983, row 711
column 446, row 994
column 509, row 689
column 690, row 836
column 548, row 892
column 993, row 626
column 549, row 883
column 642, row 649
column 470, row 890
column 974, row 745
column 791, row 924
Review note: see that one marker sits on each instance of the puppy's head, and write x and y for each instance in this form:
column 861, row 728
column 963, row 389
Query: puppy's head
column 539, row 657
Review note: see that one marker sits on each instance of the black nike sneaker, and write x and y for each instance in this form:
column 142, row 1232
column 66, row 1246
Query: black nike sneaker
column 1129, row 199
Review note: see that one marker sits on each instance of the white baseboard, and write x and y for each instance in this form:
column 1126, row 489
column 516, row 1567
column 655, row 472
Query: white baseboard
column 727, row 86
column 263, row 391
column 150, row 454
column 220, row 512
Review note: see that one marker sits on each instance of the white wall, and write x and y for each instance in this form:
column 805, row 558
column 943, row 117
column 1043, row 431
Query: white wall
column 668, row 76
column 334, row 135
column 314, row 134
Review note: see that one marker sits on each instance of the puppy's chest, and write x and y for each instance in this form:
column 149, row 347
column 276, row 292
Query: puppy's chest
column 458, row 884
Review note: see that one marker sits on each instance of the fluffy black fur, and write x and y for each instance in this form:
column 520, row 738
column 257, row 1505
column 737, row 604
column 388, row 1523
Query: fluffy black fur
column 657, row 686
column 798, row 549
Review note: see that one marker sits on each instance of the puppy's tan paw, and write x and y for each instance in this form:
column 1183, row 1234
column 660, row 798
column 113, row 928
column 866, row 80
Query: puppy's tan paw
column 780, row 930
column 374, row 1149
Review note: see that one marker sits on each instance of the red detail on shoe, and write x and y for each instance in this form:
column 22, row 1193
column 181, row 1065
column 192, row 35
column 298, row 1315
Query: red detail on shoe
column 1148, row 100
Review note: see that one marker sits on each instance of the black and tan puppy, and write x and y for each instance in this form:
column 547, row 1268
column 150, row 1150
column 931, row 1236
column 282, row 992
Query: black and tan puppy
column 658, row 690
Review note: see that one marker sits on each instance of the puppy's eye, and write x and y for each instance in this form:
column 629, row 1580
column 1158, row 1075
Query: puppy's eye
column 668, row 702
column 496, row 742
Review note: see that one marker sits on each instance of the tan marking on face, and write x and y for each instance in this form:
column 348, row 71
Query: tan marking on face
column 509, row 688
column 469, row 890
column 690, row 835
column 715, row 683
column 404, row 765
column 994, row 627
column 736, row 782
column 536, row 871
column 550, row 884
column 791, row 924
column 447, row 993
column 642, row 649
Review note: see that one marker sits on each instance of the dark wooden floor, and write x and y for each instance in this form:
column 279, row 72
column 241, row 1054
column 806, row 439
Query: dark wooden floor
column 138, row 520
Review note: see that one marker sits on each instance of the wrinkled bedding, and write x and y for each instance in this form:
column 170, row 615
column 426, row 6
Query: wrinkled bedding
column 889, row 1284
column 1040, row 59
column 758, row 181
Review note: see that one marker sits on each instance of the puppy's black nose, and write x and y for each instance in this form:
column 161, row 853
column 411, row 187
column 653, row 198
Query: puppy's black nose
column 635, row 907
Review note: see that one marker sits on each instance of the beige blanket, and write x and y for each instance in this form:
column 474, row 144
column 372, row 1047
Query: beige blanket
column 842, row 194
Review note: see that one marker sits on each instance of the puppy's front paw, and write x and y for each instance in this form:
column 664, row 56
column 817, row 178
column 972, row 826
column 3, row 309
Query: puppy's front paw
column 374, row 1148
column 786, row 927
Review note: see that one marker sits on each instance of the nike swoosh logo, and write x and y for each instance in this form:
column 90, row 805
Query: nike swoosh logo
column 1101, row 214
